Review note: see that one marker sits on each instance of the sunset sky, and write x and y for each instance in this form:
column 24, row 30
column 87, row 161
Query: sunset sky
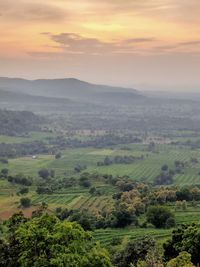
column 139, row 43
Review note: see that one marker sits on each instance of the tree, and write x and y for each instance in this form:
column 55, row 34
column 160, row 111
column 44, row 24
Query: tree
column 84, row 181
column 133, row 201
column 23, row 191
column 159, row 216
column 164, row 178
column 46, row 241
column 134, row 251
column 44, row 173
column 78, row 168
column 4, row 172
column 25, row 202
column 182, row 260
column 124, row 218
column 107, row 161
column 185, row 238
column 184, row 194
column 92, row 190
column 124, row 214
column 164, row 167
column 152, row 259
column 58, row 155
column 44, row 190
column 85, row 218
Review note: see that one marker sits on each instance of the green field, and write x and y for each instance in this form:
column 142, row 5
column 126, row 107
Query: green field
column 80, row 199
column 148, row 168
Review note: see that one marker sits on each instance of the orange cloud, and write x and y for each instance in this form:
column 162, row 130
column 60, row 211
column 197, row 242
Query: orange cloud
column 115, row 33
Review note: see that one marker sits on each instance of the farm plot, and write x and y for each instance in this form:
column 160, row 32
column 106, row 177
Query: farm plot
column 150, row 167
column 54, row 199
column 76, row 201
column 105, row 236
column 100, row 203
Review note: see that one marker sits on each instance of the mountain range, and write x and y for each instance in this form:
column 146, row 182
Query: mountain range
column 71, row 89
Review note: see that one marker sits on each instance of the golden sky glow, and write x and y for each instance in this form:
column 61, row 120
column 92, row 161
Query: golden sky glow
column 69, row 34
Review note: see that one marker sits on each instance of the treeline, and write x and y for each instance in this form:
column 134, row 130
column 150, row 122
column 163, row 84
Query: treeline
column 14, row 150
column 60, row 143
column 18, row 122
column 99, row 141
column 20, row 179
column 119, row 160
column 193, row 144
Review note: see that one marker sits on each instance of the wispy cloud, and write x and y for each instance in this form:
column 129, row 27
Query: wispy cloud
column 69, row 43
column 190, row 43
column 75, row 43
column 22, row 10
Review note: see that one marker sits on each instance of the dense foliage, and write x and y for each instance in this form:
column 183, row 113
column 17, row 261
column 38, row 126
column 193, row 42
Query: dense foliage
column 185, row 238
column 45, row 241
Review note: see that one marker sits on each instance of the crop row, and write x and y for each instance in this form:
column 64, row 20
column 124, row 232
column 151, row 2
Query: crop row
column 106, row 236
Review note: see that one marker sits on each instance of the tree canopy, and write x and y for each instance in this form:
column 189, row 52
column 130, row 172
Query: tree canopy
column 46, row 241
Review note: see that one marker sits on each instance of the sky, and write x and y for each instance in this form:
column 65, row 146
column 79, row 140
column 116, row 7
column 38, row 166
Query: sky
column 147, row 44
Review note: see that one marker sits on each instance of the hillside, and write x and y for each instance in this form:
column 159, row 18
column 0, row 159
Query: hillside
column 14, row 100
column 70, row 88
